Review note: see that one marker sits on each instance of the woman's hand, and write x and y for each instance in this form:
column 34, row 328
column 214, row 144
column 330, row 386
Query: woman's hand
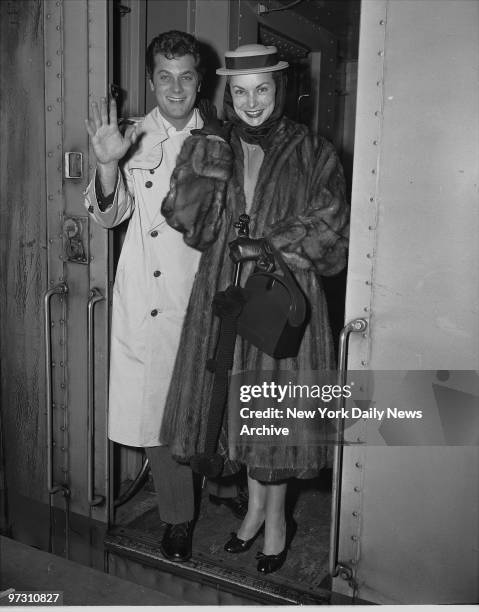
column 107, row 141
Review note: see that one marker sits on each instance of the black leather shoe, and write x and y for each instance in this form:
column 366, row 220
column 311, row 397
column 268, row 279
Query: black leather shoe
column 238, row 505
column 236, row 545
column 176, row 542
column 267, row 564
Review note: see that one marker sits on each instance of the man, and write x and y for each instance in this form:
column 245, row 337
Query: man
column 155, row 271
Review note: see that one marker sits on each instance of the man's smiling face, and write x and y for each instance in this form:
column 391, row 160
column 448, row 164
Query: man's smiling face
column 175, row 83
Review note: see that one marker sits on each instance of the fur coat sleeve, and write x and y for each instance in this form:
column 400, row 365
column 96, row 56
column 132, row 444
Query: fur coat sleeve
column 196, row 199
column 318, row 237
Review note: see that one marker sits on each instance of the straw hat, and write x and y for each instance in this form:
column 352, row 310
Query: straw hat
column 248, row 59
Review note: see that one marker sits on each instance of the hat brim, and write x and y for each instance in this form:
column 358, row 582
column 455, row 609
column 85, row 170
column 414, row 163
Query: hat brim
column 231, row 71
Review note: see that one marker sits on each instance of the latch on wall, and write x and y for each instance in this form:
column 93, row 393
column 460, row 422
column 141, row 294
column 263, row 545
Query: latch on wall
column 75, row 239
column 73, row 165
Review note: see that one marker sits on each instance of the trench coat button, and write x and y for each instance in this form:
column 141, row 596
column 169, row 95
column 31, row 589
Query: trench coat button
column 156, row 273
column 90, row 209
column 154, row 234
column 154, row 313
column 148, row 184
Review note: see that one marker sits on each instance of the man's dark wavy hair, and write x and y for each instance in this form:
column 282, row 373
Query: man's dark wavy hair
column 172, row 44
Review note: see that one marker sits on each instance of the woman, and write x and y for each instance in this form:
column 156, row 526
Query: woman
column 294, row 193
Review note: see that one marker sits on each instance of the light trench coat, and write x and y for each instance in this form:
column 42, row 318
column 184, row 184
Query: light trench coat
column 152, row 287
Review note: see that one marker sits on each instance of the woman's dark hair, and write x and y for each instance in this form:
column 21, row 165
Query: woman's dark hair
column 172, row 44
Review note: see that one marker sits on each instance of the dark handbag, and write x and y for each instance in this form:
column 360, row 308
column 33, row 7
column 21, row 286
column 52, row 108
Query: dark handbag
column 274, row 316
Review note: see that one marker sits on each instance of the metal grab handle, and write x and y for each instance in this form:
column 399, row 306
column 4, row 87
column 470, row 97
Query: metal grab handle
column 93, row 500
column 356, row 326
column 61, row 289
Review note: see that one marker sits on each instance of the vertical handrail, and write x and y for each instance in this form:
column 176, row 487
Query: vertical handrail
column 355, row 326
column 61, row 289
column 93, row 500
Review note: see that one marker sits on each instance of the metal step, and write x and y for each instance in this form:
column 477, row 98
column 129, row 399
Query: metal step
column 136, row 557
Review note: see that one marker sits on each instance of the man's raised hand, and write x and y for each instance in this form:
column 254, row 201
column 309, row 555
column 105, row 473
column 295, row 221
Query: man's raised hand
column 107, row 141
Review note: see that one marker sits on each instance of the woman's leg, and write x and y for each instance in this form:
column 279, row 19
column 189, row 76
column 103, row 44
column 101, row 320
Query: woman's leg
column 275, row 520
column 256, row 509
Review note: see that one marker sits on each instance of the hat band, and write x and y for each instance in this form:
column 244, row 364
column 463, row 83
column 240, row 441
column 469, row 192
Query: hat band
column 251, row 61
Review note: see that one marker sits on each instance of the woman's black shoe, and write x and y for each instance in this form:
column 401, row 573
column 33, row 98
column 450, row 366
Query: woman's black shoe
column 236, row 545
column 268, row 564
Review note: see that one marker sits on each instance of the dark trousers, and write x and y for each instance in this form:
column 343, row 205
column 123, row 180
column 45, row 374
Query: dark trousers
column 174, row 486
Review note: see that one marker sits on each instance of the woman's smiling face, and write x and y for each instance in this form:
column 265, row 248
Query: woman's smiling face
column 253, row 96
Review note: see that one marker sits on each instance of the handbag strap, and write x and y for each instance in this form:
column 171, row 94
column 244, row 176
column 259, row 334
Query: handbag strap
column 297, row 312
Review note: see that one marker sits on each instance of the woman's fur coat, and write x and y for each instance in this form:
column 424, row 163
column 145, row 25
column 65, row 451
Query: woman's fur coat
column 300, row 205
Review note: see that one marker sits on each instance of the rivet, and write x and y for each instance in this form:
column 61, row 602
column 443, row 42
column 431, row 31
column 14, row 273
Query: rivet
column 59, row 122
column 49, row 108
column 370, row 227
column 358, row 440
column 364, row 363
column 382, row 22
column 358, row 465
column 61, row 364
column 54, row 443
column 49, row 15
column 368, row 255
column 380, row 52
column 371, row 199
column 59, row 52
column 49, row 63
column 355, row 513
column 375, row 142
column 63, row 448
column 357, row 489
column 53, row 364
column 91, row 258
column 368, row 282
column 60, row 257
column 59, row 75
column 354, row 538
column 62, row 385
column 364, row 336
column 59, row 99
column 50, row 154
column 58, row 28
column 377, row 113
column 50, row 197
column 373, row 171
column 366, row 309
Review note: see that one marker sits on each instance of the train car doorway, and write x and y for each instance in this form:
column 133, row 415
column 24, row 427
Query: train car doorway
column 320, row 43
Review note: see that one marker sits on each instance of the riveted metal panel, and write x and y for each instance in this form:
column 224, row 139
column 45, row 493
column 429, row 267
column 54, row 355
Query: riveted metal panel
column 100, row 268
column 54, row 122
column 413, row 270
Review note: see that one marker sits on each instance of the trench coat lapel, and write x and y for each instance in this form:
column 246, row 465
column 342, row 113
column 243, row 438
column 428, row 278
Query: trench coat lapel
column 149, row 152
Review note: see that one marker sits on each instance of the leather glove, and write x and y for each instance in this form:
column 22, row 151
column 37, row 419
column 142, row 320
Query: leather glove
column 212, row 125
column 248, row 249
